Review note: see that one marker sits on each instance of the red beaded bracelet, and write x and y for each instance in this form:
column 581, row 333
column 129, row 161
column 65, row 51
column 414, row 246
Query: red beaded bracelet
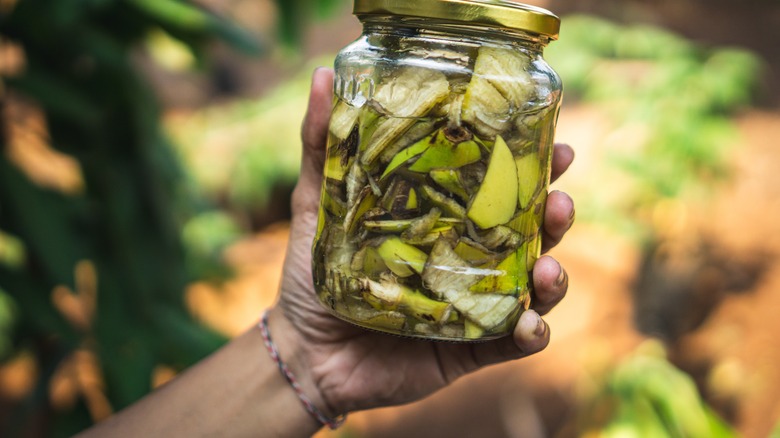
column 332, row 423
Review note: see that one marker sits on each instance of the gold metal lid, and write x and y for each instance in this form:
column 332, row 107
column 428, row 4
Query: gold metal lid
column 501, row 13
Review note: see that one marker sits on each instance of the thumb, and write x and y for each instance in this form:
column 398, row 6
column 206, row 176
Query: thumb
column 314, row 134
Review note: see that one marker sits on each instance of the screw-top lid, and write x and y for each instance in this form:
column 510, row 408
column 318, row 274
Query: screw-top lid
column 501, row 13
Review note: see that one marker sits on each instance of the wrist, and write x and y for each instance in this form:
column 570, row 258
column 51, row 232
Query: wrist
column 294, row 353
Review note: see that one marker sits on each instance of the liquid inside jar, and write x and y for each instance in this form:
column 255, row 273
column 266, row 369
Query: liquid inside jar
column 434, row 193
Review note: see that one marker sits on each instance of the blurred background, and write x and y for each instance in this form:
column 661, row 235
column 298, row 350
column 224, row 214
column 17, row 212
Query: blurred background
column 149, row 148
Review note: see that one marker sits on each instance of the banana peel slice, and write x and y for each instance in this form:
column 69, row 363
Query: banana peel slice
column 450, row 180
column 400, row 199
column 484, row 108
column 410, row 95
column 472, row 252
column 499, row 87
column 370, row 317
column 417, row 132
column 413, row 92
column 447, row 205
column 343, row 119
column 335, row 167
column 402, row 259
column 450, row 277
column 511, row 278
column 366, row 201
column 445, row 154
column 506, row 70
column 529, row 178
column 405, row 156
column 368, row 261
column 496, row 200
column 387, row 294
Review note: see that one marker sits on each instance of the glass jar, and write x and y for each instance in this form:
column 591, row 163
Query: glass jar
column 437, row 169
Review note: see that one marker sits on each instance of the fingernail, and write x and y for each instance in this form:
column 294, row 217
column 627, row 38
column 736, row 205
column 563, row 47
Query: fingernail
column 561, row 276
column 532, row 325
column 541, row 327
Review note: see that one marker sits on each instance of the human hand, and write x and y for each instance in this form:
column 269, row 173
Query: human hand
column 344, row 368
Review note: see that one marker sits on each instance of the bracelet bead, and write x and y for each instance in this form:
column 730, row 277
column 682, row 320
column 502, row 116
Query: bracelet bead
column 332, row 423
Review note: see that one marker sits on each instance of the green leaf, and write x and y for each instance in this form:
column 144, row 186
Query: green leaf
column 128, row 362
column 34, row 311
column 293, row 14
column 206, row 236
column 9, row 315
column 57, row 96
column 175, row 13
column 327, row 8
column 181, row 341
column 41, row 219
column 239, row 38
column 185, row 17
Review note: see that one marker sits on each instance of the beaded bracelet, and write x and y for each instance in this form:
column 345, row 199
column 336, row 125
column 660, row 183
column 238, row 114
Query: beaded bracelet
column 332, row 423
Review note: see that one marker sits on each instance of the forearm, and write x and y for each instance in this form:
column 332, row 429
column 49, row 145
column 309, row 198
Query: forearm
column 238, row 391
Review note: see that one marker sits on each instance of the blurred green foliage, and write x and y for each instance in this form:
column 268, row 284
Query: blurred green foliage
column 138, row 220
column 240, row 153
column 7, row 320
column 294, row 14
column 670, row 98
column 12, row 252
column 206, row 235
column 646, row 396
column 775, row 433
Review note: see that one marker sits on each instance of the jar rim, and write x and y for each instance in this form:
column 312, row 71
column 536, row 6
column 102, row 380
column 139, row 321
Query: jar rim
column 501, row 13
